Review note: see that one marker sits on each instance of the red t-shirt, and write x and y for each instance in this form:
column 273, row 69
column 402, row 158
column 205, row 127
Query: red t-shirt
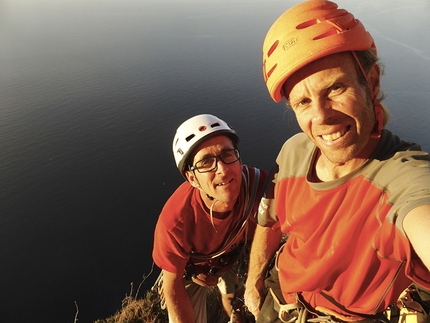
column 184, row 225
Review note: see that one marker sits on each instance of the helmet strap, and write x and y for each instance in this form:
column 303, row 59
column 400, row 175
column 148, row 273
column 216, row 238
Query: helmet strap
column 379, row 125
column 377, row 106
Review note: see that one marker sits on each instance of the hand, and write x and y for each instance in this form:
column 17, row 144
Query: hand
column 205, row 280
column 254, row 296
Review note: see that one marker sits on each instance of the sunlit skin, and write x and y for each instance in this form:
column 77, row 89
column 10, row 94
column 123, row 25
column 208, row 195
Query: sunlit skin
column 224, row 183
column 334, row 109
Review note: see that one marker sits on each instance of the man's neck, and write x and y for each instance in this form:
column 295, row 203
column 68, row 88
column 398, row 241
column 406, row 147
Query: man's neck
column 324, row 169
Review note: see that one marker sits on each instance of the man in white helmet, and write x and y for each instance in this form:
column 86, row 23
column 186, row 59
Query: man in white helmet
column 204, row 227
column 353, row 197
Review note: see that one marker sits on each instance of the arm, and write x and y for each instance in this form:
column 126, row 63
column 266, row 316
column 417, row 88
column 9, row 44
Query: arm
column 177, row 300
column 417, row 227
column 265, row 243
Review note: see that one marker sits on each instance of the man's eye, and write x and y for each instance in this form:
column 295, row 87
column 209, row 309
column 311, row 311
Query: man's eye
column 336, row 88
column 301, row 104
column 227, row 154
column 206, row 162
column 304, row 102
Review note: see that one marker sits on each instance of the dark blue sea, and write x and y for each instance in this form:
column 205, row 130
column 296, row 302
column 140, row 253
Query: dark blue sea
column 91, row 92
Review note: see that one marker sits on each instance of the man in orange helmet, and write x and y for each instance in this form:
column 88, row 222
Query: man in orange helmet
column 352, row 197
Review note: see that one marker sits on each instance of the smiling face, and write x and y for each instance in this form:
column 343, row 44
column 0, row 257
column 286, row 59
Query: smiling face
column 223, row 183
column 334, row 109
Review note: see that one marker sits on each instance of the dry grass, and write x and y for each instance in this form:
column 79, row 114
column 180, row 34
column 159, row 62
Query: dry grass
column 135, row 309
column 148, row 310
column 139, row 310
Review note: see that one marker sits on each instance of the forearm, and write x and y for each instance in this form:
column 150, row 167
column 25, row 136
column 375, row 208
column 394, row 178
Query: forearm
column 177, row 300
column 265, row 244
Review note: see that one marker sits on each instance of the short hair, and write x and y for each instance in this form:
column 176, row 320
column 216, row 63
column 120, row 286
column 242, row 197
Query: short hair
column 367, row 58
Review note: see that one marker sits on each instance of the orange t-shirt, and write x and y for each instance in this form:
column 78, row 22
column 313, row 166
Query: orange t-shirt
column 345, row 236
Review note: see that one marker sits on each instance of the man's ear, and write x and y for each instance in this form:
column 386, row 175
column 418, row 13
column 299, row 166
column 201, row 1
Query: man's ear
column 191, row 177
column 374, row 77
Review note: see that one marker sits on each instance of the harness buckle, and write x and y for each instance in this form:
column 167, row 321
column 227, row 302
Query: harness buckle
column 289, row 313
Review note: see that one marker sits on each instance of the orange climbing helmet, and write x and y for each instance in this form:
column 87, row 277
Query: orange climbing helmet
column 306, row 32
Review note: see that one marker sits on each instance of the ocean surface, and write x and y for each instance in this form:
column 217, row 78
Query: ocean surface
column 91, row 92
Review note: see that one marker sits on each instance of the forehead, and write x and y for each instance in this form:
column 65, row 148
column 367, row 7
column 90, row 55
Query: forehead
column 213, row 146
column 341, row 63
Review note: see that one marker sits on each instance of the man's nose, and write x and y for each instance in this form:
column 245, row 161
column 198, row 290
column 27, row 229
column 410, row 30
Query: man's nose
column 221, row 166
column 321, row 111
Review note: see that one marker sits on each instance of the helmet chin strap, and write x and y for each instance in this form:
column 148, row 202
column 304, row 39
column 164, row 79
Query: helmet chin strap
column 201, row 190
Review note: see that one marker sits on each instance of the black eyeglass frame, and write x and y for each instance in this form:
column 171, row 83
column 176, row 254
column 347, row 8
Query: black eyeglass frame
column 218, row 158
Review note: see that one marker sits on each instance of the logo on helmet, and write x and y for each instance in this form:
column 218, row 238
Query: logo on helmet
column 290, row 43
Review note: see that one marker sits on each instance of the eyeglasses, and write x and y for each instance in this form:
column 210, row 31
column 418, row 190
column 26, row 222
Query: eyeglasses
column 211, row 163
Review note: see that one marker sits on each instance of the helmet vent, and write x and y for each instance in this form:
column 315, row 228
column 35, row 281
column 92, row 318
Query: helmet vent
column 338, row 14
column 190, row 137
column 329, row 18
column 330, row 32
column 272, row 48
column 271, row 70
column 308, row 23
column 213, row 125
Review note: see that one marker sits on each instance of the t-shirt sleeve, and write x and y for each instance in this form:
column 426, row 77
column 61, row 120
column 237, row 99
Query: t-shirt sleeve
column 168, row 254
column 169, row 251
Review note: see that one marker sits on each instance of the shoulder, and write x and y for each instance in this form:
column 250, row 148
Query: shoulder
column 182, row 199
column 391, row 145
column 299, row 140
column 394, row 158
column 298, row 146
column 295, row 157
column 185, row 190
column 402, row 170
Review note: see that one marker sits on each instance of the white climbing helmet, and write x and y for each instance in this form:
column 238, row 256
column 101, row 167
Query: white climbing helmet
column 195, row 130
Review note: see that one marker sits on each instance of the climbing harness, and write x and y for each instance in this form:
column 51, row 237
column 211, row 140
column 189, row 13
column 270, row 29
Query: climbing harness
column 410, row 308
